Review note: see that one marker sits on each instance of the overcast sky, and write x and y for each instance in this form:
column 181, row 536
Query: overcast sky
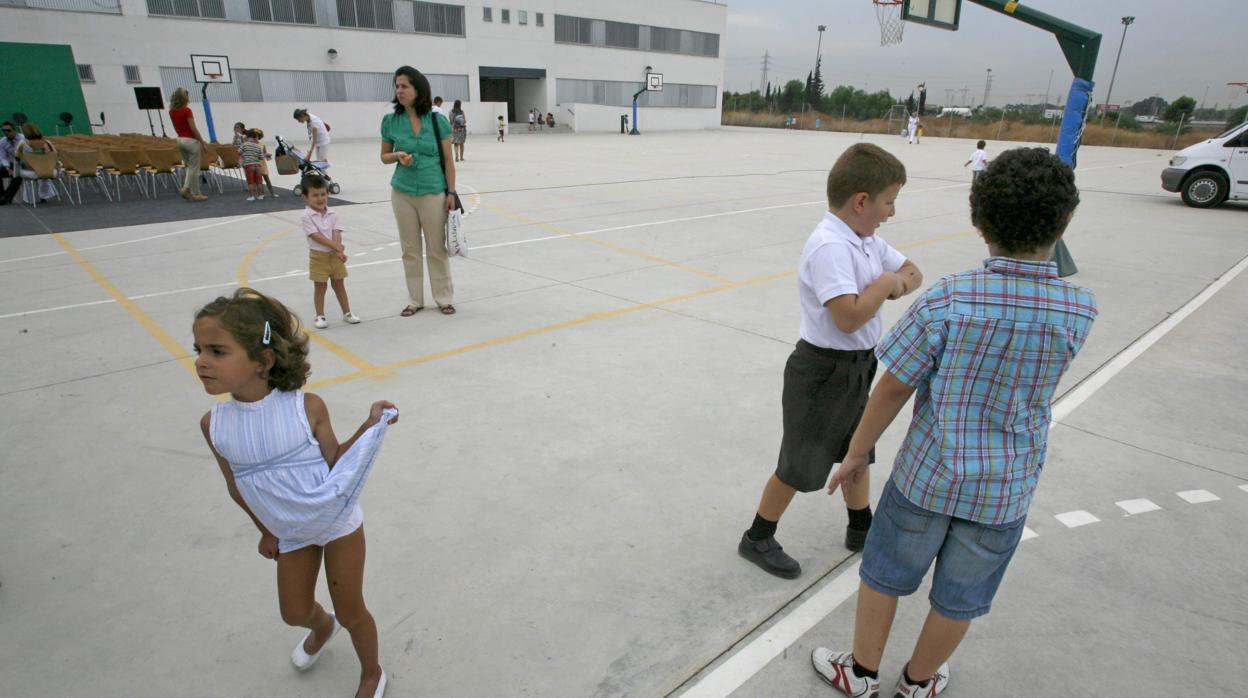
column 1174, row 48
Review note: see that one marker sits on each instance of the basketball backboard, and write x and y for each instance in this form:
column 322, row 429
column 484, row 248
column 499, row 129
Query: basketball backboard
column 942, row 14
column 654, row 82
column 211, row 69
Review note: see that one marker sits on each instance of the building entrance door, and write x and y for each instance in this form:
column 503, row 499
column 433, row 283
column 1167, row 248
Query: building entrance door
column 500, row 90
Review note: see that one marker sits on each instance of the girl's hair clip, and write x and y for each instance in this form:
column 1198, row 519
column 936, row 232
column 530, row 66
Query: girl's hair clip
column 268, row 334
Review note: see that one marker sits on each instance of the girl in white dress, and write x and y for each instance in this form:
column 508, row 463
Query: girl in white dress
column 285, row 468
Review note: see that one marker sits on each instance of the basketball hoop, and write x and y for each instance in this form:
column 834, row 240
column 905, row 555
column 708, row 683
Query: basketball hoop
column 891, row 24
column 213, row 77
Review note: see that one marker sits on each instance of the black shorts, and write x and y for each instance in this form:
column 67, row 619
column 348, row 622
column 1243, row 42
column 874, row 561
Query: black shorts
column 825, row 393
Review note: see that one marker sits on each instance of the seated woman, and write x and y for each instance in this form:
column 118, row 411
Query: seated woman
column 550, row 120
column 35, row 143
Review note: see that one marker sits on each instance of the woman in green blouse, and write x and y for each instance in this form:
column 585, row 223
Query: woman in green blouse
column 422, row 187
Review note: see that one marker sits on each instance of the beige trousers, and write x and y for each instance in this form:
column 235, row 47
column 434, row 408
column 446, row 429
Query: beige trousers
column 191, row 150
column 425, row 216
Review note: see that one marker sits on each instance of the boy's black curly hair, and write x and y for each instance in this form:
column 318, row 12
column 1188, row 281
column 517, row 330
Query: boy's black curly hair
column 1023, row 201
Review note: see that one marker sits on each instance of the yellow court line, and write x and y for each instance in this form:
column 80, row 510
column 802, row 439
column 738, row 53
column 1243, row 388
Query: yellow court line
column 594, row 317
column 609, row 245
column 584, row 319
column 336, row 349
column 171, row 345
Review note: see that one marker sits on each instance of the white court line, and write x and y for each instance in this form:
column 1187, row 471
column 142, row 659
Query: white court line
column 1137, row 506
column 1028, row 534
column 1244, row 487
column 1198, row 496
column 1088, row 387
column 777, row 638
column 1074, row 519
column 131, row 242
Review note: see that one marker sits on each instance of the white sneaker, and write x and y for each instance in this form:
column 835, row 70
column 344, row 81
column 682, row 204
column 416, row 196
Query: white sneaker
column 320, row 322
column 273, row 195
column 837, row 670
column 251, row 198
column 304, row 661
column 351, row 319
column 260, row 198
column 935, row 685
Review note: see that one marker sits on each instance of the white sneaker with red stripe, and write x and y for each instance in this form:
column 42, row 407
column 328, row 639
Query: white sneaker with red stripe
column 837, row 670
column 935, row 685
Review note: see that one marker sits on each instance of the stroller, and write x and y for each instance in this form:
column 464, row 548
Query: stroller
column 290, row 161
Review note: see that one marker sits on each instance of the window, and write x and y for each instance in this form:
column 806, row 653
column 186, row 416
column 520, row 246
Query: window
column 487, row 14
column 132, row 74
column 251, row 85
column 620, row 94
column 285, row 11
column 435, row 18
column 86, row 73
column 522, row 16
column 112, row 7
column 506, row 16
column 597, row 32
column 367, row 14
column 541, row 19
column 187, row 8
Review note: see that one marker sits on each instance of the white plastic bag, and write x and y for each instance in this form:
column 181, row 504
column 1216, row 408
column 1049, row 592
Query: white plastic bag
column 456, row 238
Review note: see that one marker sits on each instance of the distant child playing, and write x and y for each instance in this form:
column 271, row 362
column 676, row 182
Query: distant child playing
column 252, row 159
column 284, row 467
column 982, row 351
column 978, row 161
column 502, row 128
column 845, row 275
column 326, row 254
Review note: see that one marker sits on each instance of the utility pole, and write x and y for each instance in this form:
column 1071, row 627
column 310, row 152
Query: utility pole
column 965, row 89
column 949, row 96
column 766, row 64
column 1126, row 22
column 1046, row 90
column 987, row 88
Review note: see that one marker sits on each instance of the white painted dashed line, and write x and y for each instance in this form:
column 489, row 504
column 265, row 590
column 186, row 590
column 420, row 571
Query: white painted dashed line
column 357, row 254
column 379, row 249
column 294, row 271
column 136, row 240
column 1244, row 487
column 1074, row 519
column 1028, row 534
column 1137, row 506
column 392, row 244
column 1198, row 496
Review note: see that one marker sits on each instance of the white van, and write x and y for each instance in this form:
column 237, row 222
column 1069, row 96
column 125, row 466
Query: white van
column 1208, row 173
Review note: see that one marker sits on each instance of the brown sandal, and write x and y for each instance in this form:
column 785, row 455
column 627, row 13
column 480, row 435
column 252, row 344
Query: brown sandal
column 411, row 310
column 448, row 310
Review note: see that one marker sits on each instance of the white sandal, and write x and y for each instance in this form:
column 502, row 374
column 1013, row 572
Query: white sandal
column 304, row 661
column 381, row 686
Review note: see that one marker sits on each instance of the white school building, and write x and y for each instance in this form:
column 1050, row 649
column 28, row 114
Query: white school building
column 580, row 60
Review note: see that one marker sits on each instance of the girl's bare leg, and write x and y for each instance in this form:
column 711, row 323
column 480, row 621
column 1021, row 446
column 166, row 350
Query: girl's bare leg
column 296, row 595
column 344, row 570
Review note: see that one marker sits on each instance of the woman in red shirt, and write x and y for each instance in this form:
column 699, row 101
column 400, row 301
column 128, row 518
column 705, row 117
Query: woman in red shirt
column 190, row 143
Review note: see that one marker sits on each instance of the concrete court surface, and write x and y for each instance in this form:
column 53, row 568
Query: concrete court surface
column 581, row 446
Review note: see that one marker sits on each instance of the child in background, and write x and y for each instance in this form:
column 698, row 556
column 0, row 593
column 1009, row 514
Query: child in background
column 284, row 467
column 982, row 351
column 264, row 165
column 326, row 254
column 240, row 133
column 502, row 127
column 978, row 161
column 252, row 157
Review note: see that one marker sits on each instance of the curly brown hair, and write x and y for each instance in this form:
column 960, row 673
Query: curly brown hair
column 244, row 315
column 1024, row 200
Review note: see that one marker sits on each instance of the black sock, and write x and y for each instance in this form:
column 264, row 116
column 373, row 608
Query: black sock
column 762, row 528
column 860, row 518
column 906, row 672
column 862, row 672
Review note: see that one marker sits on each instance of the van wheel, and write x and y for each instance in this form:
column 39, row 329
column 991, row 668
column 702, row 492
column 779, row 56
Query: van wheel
column 1205, row 189
column 299, row 191
column 334, row 188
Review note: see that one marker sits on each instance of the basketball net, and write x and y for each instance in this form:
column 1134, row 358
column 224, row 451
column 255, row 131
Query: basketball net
column 891, row 24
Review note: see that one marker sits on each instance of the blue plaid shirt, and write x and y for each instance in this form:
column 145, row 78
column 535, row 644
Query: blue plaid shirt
column 985, row 350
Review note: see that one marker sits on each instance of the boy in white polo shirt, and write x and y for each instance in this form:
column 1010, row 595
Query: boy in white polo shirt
column 327, row 256
column 845, row 274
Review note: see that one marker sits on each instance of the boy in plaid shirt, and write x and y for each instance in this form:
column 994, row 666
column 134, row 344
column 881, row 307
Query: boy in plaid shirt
column 982, row 351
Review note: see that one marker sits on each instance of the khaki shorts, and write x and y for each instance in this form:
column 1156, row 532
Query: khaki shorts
column 323, row 266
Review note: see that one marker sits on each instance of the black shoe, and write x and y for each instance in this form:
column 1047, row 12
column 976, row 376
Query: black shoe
column 769, row 555
column 856, row 538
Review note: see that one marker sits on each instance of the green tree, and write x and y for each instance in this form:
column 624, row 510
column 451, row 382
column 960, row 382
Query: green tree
column 1180, row 109
column 1237, row 117
column 1149, row 107
column 910, row 106
column 791, row 95
column 814, row 84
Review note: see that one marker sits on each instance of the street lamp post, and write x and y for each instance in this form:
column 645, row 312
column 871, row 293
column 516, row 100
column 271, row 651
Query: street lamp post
column 1126, row 22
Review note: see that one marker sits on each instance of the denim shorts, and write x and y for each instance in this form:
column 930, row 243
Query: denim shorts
column 970, row 557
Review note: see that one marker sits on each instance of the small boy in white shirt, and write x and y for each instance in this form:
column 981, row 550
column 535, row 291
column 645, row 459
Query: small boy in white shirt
column 845, row 274
column 978, row 161
column 326, row 254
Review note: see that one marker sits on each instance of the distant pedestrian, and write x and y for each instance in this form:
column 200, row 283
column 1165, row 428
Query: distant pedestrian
column 459, row 130
column 978, row 161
